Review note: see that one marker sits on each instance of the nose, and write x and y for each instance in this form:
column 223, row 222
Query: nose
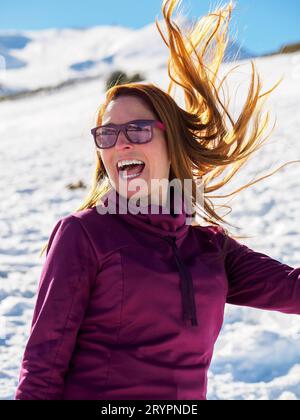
column 122, row 142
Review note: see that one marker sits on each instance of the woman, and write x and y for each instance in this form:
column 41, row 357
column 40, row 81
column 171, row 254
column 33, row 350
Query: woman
column 130, row 305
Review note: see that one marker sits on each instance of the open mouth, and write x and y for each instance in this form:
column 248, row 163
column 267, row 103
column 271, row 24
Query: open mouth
column 130, row 170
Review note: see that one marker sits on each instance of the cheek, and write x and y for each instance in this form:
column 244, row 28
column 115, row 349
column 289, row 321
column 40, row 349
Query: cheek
column 162, row 155
column 159, row 163
column 159, row 146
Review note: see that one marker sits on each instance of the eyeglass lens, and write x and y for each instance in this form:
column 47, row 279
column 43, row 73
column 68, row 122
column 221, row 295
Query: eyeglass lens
column 137, row 133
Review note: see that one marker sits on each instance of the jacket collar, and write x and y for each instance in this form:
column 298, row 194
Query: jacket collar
column 155, row 219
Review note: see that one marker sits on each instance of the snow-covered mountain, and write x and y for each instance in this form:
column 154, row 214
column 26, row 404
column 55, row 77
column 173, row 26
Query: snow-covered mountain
column 36, row 59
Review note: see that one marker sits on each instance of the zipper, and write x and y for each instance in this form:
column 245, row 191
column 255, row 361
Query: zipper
column 186, row 285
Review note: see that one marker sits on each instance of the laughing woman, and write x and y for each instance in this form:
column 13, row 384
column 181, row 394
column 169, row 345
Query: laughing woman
column 129, row 304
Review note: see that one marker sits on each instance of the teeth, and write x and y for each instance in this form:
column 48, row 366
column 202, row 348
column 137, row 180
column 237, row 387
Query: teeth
column 131, row 176
column 122, row 163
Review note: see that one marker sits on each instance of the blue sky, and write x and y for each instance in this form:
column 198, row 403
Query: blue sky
column 261, row 25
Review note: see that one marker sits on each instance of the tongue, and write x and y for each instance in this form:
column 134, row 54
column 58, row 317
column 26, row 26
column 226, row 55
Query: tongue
column 134, row 169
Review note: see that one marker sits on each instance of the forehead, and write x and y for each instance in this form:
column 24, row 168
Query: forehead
column 126, row 108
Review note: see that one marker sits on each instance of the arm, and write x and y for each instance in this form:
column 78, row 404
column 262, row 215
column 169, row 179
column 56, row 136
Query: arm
column 63, row 296
column 257, row 280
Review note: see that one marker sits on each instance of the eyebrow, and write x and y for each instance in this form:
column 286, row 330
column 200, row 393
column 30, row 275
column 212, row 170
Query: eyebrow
column 131, row 121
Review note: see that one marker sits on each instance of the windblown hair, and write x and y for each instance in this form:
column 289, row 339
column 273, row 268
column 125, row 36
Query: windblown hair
column 203, row 139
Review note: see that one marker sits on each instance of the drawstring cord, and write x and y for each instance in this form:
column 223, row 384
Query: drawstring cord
column 186, row 285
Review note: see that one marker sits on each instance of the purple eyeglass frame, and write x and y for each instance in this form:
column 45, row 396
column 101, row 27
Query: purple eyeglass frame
column 122, row 127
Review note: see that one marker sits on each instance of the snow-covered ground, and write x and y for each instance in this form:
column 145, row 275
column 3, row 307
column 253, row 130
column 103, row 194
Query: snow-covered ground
column 45, row 144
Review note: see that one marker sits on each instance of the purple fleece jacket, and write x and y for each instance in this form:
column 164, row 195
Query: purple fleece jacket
column 130, row 306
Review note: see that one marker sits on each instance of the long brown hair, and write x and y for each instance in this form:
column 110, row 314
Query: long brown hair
column 203, row 139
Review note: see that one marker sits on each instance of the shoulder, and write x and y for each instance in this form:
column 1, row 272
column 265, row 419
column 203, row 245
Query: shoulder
column 80, row 232
column 92, row 220
column 85, row 218
column 90, row 227
column 213, row 237
column 75, row 221
column 211, row 232
column 68, row 230
column 82, row 222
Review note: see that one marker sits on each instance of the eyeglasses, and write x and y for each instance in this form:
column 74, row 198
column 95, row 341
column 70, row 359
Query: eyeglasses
column 137, row 132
